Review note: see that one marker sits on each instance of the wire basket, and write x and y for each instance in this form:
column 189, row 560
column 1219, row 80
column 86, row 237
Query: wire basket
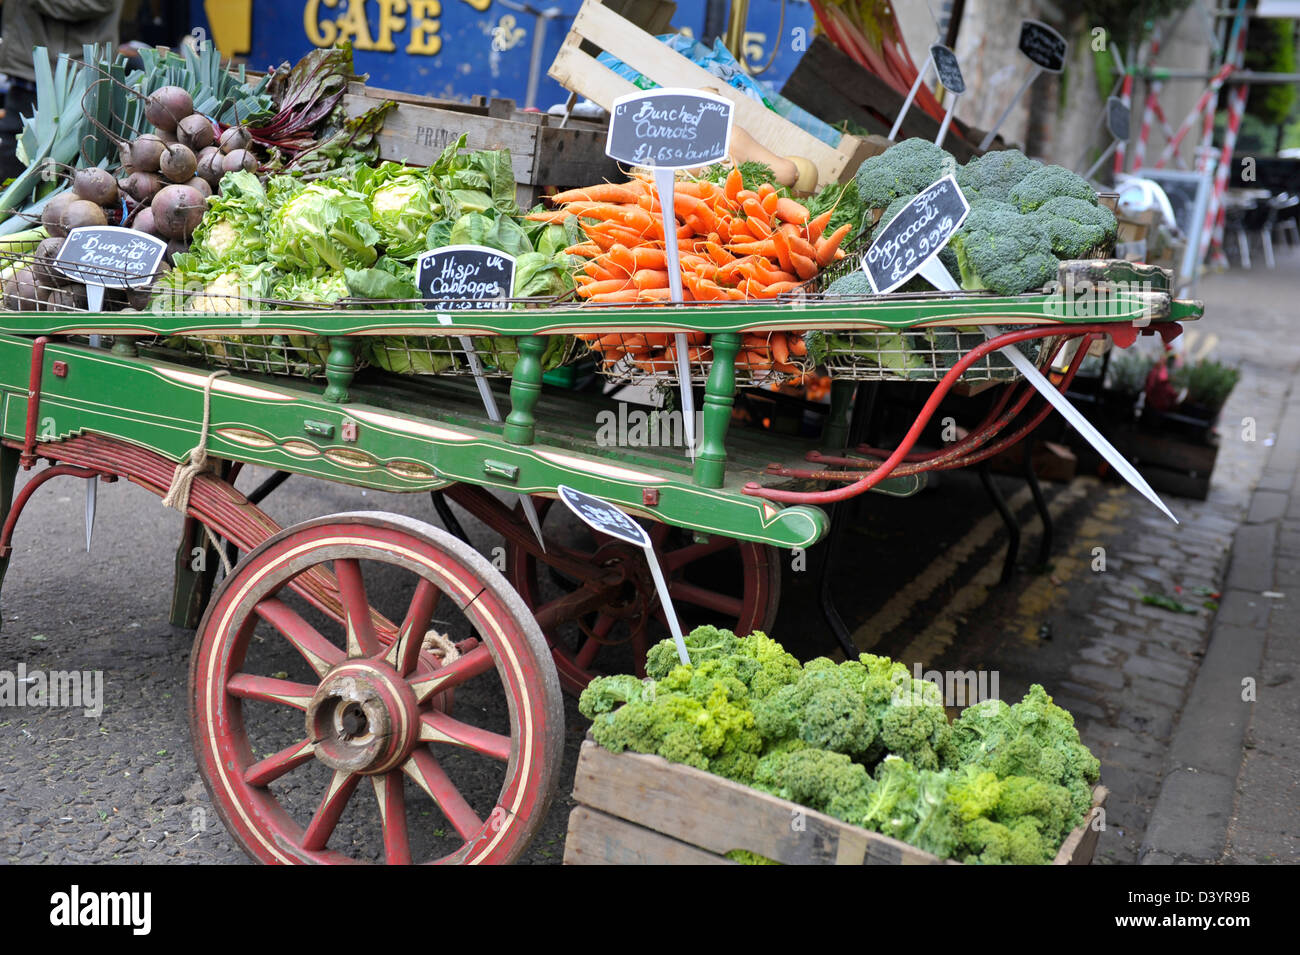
column 922, row 354
column 651, row 358
column 435, row 355
column 297, row 356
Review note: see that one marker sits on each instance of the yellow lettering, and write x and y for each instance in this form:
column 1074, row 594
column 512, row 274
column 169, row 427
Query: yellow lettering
column 479, row 5
column 353, row 24
column 424, row 28
column 389, row 23
column 319, row 33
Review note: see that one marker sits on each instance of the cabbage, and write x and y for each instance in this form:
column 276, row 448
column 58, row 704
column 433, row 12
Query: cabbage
column 322, row 225
column 233, row 225
column 402, row 206
column 314, row 289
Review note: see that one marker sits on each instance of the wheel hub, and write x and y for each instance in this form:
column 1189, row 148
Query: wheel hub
column 363, row 718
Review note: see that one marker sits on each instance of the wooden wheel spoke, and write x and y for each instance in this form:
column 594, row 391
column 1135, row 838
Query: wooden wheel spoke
column 392, row 813
column 266, row 771
column 438, row 727
column 319, row 653
column 469, row 665
column 248, row 686
column 404, row 654
column 363, row 641
column 332, row 804
column 675, row 560
column 698, row 596
column 433, row 779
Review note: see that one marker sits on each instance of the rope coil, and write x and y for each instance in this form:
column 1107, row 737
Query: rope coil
column 178, row 495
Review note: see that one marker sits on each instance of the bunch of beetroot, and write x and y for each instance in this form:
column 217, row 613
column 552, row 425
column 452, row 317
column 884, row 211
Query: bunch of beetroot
column 170, row 173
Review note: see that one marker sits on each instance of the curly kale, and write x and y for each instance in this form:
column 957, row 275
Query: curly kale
column 757, row 661
column 607, row 693
column 992, row 176
column 1017, row 819
column 1033, row 738
column 828, row 782
column 712, row 728
column 1001, row 250
column 903, row 169
column 822, row 709
column 1075, row 227
column 1048, row 182
column 912, row 805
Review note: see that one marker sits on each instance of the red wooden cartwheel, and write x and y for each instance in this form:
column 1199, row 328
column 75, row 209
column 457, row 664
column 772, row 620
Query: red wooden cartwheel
column 358, row 759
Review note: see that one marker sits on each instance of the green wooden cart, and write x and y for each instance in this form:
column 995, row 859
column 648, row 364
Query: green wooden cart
column 384, row 692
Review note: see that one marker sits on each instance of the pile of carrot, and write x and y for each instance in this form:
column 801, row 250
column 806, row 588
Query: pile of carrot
column 735, row 244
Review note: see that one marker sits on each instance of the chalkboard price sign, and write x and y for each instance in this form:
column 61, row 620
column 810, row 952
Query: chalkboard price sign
column 915, row 235
column 101, row 257
column 603, row 516
column 465, row 277
column 1117, row 117
column 1043, row 45
column 669, row 128
column 949, row 70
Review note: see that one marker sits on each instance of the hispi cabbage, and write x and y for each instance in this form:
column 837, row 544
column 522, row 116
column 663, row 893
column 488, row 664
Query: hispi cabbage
column 324, row 224
column 402, row 206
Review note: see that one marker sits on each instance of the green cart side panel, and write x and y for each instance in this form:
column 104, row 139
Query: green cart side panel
column 289, row 426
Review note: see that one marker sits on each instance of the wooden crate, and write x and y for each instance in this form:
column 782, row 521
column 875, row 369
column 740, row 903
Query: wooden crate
column 541, row 151
column 626, row 29
column 831, row 85
column 643, row 810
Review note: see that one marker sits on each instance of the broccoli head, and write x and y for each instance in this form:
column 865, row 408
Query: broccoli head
column 901, row 170
column 828, row 782
column 1075, row 227
column 1048, row 182
column 823, row 709
column 991, row 176
column 1001, row 250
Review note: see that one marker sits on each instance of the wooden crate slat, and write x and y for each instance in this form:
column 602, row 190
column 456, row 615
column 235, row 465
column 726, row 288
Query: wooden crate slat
column 600, row 26
column 720, row 815
column 595, row 838
column 644, row 809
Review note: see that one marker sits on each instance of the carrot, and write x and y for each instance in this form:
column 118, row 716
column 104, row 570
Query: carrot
column 620, row 257
column 754, row 210
column 587, row 250
column 798, row 346
column 804, row 267
column 765, row 247
column 790, row 211
column 744, row 194
column 718, row 254
column 653, row 295
column 765, row 190
column 802, row 246
column 603, row 192
column 817, row 226
column 778, row 288
column 735, row 182
column 619, row 295
column 829, row 245
column 649, row 257
column 650, row 278
column 606, row 287
column 768, row 202
column 554, row 215
column 616, row 340
column 782, row 243
column 780, row 349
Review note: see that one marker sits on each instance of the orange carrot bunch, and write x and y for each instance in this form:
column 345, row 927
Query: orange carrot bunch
column 734, row 244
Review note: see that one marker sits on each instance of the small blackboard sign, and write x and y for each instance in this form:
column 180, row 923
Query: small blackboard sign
column 1043, row 45
column 1117, row 117
column 110, row 256
column 915, row 235
column 603, row 516
column 949, row 70
column 669, row 128
column 465, row 277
